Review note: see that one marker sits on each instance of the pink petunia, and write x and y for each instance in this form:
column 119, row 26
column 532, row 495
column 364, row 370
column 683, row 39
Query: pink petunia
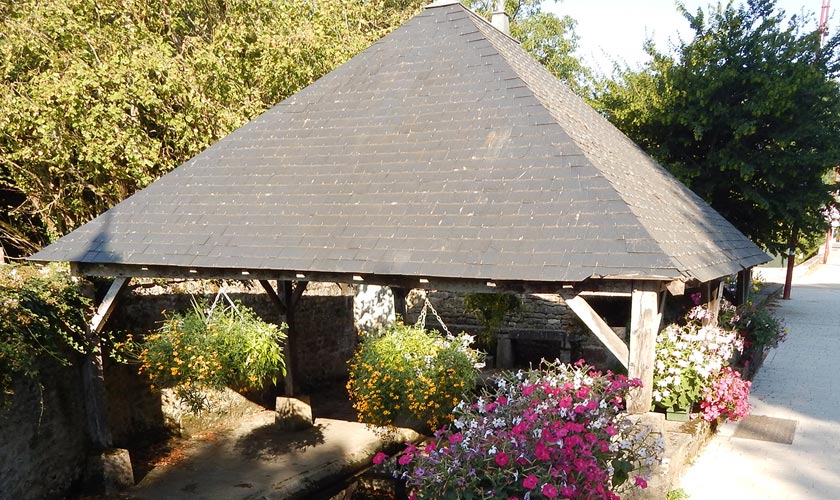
column 379, row 458
column 405, row 459
column 501, row 459
column 549, row 490
column 640, row 482
column 456, row 438
column 530, row 482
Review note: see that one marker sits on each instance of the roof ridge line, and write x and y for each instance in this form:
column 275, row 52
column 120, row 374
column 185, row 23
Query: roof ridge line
column 446, row 3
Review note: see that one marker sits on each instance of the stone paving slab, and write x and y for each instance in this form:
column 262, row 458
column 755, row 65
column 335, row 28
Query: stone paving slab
column 256, row 459
column 762, row 428
column 797, row 382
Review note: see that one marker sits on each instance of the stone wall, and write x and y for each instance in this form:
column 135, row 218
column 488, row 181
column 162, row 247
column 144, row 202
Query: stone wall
column 544, row 327
column 42, row 437
column 326, row 340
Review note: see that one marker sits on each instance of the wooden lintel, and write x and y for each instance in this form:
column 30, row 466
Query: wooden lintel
column 600, row 328
column 589, row 293
column 645, row 317
column 106, row 307
column 469, row 285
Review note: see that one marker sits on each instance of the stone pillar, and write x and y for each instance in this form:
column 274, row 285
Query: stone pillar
column 373, row 307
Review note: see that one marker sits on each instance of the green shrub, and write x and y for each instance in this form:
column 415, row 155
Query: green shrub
column 408, row 372
column 43, row 318
column 762, row 330
column 193, row 351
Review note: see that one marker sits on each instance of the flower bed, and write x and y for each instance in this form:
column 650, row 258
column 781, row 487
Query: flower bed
column 557, row 432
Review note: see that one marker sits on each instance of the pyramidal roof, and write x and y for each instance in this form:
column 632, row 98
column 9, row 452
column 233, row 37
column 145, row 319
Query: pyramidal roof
column 443, row 150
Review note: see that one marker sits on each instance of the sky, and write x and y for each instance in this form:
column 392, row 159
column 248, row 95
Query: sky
column 617, row 29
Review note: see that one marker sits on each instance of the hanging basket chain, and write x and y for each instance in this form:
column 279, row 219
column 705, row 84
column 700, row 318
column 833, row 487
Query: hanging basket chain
column 421, row 318
column 222, row 293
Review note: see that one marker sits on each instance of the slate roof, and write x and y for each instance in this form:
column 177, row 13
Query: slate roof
column 443, row 150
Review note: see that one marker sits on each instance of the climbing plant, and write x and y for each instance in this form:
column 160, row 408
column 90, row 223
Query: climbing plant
column 42, row 320
column 490, row 309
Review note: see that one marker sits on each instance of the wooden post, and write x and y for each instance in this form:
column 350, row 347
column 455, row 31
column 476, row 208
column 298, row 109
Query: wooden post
column 744, row 284
column 289, row 296
column 794, row 239
column 644, row 326
column 827, row 245
column 715, row 292
column 93, row 375
column 400, row 308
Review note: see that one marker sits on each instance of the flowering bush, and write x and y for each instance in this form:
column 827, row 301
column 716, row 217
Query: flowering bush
column 726, row 397
column 196, row 350
column 408, row 372
column 558, row 432
column 687, row 356
column 760, row 328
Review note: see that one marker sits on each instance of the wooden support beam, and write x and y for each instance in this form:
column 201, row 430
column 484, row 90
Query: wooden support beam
column 645, row 317
column 400, row 307
column 599, row 327
column 272, row 294
column 103, row 312
column 93, row 374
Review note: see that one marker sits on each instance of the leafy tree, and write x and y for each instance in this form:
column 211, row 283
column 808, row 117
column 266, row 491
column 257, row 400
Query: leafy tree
column 100, row 98
column 746, row 113
column 551, row 40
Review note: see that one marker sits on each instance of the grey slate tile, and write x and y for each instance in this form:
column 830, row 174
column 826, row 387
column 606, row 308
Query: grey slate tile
column 442, row 150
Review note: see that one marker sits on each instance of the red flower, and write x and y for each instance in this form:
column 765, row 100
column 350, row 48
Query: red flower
column 501, row 459
column 379, row 458
column 640, row 482
column 530, row 482
column 549, row 490
column 456, row 438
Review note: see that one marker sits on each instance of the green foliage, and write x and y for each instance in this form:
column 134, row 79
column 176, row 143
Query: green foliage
column 195, row 350
column 760, row 328
column 43, row 318
column 491, row 309
column 100, row 98
column 746, row 114
column 407, row 371
column 551, row 40
column 677, row 494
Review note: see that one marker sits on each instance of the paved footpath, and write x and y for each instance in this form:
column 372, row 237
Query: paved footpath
column 799, row 381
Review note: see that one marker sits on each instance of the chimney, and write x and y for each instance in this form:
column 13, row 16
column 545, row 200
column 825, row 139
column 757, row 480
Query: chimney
column 501, row 20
